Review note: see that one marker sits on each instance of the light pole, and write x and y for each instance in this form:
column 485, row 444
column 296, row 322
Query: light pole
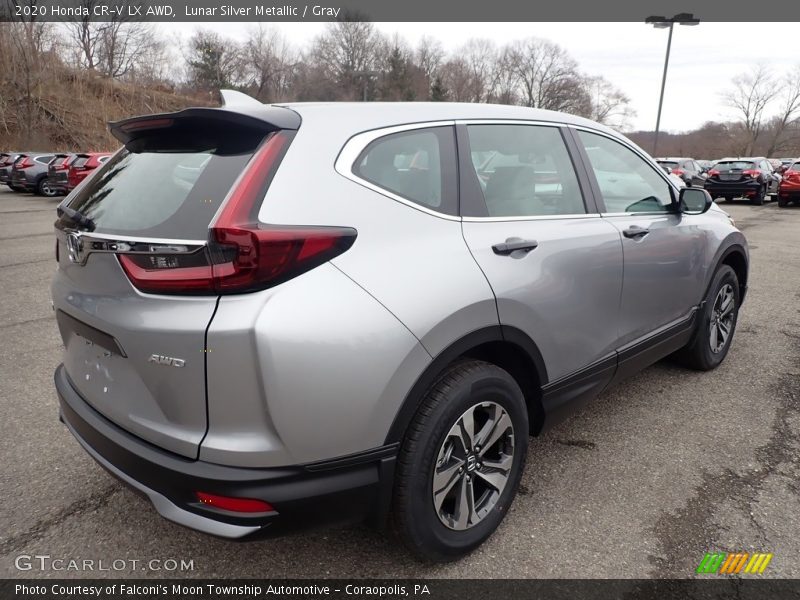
column 665, row 23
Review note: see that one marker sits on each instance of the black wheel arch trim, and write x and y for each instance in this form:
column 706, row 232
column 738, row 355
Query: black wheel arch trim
column 736, row 244
column 492, row 333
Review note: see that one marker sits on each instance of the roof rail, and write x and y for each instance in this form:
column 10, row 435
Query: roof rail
column 231, row 98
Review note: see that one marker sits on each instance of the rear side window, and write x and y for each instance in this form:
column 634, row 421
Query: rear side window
column 163, row 188
column 795, row 167
column 80, row 162
column 524, row 171
column 418, row 165
column 43, row 160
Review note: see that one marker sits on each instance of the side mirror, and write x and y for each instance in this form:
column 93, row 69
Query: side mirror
column 694, row 201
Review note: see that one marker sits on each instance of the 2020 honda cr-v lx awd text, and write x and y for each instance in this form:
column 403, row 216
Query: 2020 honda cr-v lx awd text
column 282, row 316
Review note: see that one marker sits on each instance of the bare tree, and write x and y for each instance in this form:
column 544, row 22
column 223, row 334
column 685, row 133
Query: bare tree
column 270, row 63
column 750, row 97
column 783, row 126
column 349, row 54
column 547, row 76
column 213, row 61
column 610, row 105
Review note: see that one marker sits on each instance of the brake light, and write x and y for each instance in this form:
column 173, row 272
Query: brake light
column 242, row 505
column 713, row 173
column 751, row 173
column 24, row 163
column 243, row 255
column 677, row 172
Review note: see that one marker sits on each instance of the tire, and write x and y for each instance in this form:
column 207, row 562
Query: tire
column 728, row 198
column 698, row 354
column 44, row 189
column 783, row 202
column 758, row 199
column 486, row 393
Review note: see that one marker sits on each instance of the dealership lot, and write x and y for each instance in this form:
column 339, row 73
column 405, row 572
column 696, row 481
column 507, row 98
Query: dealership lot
column 641, row 484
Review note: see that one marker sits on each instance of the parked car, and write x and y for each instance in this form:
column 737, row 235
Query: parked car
column 346, row 317
column 29, row 173
column 57, row 172
column 785, row 164
column 790, row 186
column 6, row 161
column 83, row 164
column 752, row 178
column 705, row 164
column 686, row 168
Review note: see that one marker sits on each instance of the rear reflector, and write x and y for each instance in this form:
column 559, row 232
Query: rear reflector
column 242, row 505
column 243, row 254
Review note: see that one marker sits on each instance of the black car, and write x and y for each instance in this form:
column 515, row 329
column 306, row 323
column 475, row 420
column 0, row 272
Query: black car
column 687, row 169
column 750, row 177
column 6, row 161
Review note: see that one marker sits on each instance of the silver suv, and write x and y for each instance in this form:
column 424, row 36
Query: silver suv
column 282, row 316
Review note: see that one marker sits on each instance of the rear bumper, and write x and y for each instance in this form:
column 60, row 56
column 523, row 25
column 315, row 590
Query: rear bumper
column 346, row 490
column 721, row 188
column 789, row 192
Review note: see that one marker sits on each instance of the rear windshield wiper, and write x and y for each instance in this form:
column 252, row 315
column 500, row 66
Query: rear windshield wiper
column 76, row 217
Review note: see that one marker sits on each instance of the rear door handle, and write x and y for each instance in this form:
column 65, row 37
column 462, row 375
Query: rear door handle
column 513, row 244
column 634, row 232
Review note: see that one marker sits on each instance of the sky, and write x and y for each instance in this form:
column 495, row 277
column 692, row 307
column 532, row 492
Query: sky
column 703, row 59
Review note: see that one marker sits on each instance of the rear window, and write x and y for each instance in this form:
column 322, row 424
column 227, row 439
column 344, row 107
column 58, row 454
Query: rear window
column 734, row 165
column 795, row 167
column 156, row 189
column 668, row 163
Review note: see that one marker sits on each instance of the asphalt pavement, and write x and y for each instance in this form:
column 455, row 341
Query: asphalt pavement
column 642, row 483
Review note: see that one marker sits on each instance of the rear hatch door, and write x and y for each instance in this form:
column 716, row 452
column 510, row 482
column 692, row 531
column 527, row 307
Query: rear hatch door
column 139, row 358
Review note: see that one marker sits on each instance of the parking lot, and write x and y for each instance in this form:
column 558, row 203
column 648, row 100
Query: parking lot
column 642, row 483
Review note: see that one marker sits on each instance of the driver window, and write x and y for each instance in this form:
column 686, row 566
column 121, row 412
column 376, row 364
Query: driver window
column 627, row 183
column 524, row 171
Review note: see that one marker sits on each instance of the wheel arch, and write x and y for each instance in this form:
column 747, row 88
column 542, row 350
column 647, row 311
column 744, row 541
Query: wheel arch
column 507, row 347
column 735, row 256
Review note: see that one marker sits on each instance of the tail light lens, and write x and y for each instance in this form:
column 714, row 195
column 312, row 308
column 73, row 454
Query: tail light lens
column 677, row 172
column 752, row 173
column 24, row 163
column 713, row 173
column 243, row 255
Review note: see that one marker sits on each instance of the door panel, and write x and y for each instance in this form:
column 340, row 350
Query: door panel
column 564, row 294
column 663, row 271
column 663, row 249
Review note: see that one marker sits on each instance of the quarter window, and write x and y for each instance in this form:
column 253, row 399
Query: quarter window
column 627, row 183
column 524, row 171
column 418, row 165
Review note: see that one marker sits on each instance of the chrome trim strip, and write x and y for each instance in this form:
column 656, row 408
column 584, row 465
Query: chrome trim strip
column 81, row 244
column 164, row 506
column 355, row 146
column 509, row 122
column 530, row 218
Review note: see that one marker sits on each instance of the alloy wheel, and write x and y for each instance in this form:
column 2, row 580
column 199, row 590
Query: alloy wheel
column 721, row 318
column 473, row 466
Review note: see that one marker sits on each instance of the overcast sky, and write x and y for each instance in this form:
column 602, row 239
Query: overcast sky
column 631, row 55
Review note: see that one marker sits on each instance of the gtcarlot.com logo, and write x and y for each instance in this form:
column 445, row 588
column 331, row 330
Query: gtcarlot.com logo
column 46, row 562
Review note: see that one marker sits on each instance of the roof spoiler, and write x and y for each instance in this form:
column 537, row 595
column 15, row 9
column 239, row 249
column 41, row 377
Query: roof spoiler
column 237, row 109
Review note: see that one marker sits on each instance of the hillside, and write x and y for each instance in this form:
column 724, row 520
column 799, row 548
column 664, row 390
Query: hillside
column 70, row 111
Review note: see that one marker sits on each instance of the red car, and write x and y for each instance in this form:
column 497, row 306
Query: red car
column 789, row 191
column 84, row 164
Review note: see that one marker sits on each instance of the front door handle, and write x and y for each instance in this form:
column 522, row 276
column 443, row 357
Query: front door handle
column 513, row 244
column 634, row 232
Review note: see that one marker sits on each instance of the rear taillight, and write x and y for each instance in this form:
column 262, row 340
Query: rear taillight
column 24, row 163
column 677, row 172
column 243, row 255
column 752, row 173
column 713, row 173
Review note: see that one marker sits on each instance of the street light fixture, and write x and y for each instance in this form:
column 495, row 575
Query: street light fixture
column 665, row 23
